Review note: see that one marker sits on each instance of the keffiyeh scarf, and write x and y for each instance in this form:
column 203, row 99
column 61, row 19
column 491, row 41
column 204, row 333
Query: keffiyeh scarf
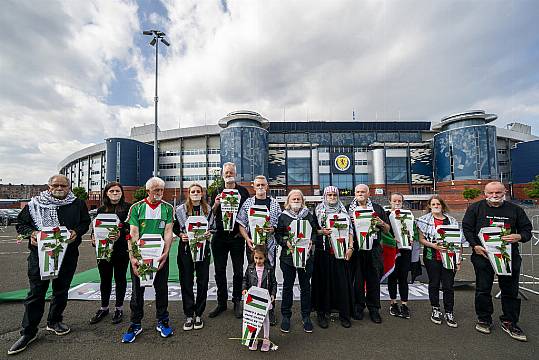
column 43, row 208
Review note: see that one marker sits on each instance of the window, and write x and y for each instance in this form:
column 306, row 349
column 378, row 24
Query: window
column 323, row 162
column 342, row 139
column 323, row 149
column 324, row 180
column 397, row 170
column 410, row 137
column 361, row 149
column 387, row 137
column 276, row 138
column 502, row 151
column 364, row 138
column 361, row 162
column 320, row 138
column 299, row 171
column 345, row 183
column 296, row 138
column 362, row 178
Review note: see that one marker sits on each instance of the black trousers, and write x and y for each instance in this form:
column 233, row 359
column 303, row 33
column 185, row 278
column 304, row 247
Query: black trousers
column 222, row 244
column 160, row 284
column 399, row 276
column 289, row 276
column 484, row 277
column 34, row 304
column 367, row 274
column 187, row 276
column 117, row 266
column 437, row 273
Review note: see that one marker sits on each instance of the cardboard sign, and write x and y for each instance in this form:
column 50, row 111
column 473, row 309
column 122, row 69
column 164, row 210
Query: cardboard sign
column 362, row 223
column 103, row 225
column 258, row 216
column 404, row 237
column 151, row 248
column 230, row 204
column 498, row 251
column 340, row 230
column 301, row 231
column 51, row 251
column 196, row 227
column 453, row 240
column 256, row 305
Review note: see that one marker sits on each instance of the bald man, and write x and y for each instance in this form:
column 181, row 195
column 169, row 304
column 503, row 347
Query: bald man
column 495, row 210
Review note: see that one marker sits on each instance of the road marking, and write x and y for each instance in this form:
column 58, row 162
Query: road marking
column 14, row 252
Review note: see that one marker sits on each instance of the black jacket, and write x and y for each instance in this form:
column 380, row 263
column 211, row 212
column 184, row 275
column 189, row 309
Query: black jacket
column 268, row 278
column 73, row 216
column 281, row 235
column 480, row 214
column 218, row 215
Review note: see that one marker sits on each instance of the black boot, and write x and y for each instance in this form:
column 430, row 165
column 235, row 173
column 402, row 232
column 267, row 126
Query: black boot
column 237, row 310
column 218, row 310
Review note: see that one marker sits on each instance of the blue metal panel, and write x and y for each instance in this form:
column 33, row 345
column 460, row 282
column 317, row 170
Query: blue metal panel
column 525, row 162
column 135, row 160
column 247, row 147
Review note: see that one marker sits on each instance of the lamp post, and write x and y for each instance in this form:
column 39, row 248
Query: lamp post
column 156, row 36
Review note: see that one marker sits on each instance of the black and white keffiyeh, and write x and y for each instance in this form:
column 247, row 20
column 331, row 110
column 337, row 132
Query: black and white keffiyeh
column 43, row 208
column 301, row 214
column 181, row 216
column 324, row 209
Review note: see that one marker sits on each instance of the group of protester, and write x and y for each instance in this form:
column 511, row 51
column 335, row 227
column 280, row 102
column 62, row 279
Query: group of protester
column 327, row 284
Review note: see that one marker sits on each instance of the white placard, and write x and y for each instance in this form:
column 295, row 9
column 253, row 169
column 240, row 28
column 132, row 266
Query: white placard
column 151, row 248
column 404, row 237
column 230, row 203
column 256, row 305
column 498, row 251
column 103, row 225
column 49, row 264
column 196, row 227
column 339, row 224
column 301, row 231
column 258, row 216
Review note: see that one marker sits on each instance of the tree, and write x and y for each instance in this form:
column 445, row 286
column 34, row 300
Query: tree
column 80, row 192
column 139, row 194
column 471, row 193
column 216, row 184
column 533, row 191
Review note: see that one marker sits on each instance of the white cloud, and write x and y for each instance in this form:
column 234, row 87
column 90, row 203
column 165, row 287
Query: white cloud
column 417, row 60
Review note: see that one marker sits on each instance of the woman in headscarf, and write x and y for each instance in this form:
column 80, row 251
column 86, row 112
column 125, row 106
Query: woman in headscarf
column 295, row 210
column 332, row 280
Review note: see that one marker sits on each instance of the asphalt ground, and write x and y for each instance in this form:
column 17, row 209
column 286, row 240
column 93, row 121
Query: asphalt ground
column 395, row 338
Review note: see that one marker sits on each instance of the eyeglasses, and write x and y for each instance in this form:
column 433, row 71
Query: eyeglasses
column 58, row 185
column 331, row 195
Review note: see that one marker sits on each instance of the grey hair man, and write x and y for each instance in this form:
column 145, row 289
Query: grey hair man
column 53, row 208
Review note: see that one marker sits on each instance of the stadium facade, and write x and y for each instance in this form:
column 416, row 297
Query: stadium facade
column 416, row 158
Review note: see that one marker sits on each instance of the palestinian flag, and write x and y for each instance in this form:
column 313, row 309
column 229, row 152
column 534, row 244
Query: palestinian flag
column 47, row 263
column 249, row 335
column 256, row 302
column 108, row 222
column 258, row 215
column 448, row 259
column 149, row 242
column 302, row 231
column 300, row 257
column 502, row 265
column 389, row 254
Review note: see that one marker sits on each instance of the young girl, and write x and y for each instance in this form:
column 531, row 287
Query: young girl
column 113, row 203
column 428, row 224
column 260, row 273
column 195, row 205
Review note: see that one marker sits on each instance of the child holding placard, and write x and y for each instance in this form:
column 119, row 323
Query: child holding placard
column 261, row 274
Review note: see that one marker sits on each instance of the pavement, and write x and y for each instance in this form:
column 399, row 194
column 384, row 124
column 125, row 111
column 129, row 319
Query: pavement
column 395, row 338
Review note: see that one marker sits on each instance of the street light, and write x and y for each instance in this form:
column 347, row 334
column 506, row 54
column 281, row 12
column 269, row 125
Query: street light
column 157, row 35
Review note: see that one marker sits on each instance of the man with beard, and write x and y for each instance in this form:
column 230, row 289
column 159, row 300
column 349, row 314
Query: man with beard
column 368, row 263
column 495, row 211
column 261, row 198
column 54, row 207
column 228, row 241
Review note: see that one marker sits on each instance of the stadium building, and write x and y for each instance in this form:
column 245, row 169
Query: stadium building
column 416, row 158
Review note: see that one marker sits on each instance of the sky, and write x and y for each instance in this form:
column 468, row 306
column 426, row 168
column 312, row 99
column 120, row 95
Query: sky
column 75, row 72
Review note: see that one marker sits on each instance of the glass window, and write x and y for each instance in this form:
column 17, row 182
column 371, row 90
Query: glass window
column 362, row 178
column 410, row 136
column 361, row 162
column 387, row 137
column 364, row 138
column 299, row 171
column 276, row 138
column 323, row 162
column 323, row 149
column 345, row 183
column 396, row 170
column 324, row 181
column 346, row 139
column 294, row 138
column 320, row 138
